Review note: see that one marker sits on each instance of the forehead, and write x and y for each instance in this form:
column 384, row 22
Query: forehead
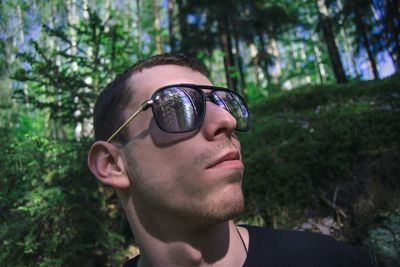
column 147, row 81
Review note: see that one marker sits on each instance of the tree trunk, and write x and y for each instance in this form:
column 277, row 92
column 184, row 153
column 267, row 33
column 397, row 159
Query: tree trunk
column 363, row 33
column 254, row 57
column 349, row 51
column 184, row 42
column 157, row 26
column 226, row 43
column 329, row 37
column 277, row 64
column 73, row 19
column 139, row 30
column 319, row 64
column 171, row 26
column 263, row 54
column 239, row 61
column 393, row 26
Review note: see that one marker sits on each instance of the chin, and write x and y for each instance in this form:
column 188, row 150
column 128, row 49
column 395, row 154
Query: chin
column 228, row 202
column 231, row 212
column 226, row 207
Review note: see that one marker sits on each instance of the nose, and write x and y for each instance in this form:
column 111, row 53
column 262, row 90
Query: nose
column 217, row 122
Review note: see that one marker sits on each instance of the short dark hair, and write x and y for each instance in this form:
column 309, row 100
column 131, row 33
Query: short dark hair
column 108, row 110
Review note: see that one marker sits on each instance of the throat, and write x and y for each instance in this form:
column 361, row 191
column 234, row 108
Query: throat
column 217, row 245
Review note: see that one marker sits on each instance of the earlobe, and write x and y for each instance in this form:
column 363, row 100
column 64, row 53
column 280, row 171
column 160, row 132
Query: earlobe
column 105, row 162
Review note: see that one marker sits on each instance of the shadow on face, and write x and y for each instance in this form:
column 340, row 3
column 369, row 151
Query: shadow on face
column 161, row 138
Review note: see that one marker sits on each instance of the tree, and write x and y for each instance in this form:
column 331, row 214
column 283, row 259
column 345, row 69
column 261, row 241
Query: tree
column 102, row 50
column 46, row 180
column 360, row 15
column 171, row 25
column 157, row 26
column 210, row 26
column 389, row 27
column 325, row 25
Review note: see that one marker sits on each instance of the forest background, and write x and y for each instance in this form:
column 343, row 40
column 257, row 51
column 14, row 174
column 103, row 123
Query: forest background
column 321, row 77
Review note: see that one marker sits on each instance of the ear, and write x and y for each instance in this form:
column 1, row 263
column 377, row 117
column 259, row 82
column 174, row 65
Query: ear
column 105, row 162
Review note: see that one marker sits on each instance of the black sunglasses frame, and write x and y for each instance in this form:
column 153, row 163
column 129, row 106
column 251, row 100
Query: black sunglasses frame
column 198, row 88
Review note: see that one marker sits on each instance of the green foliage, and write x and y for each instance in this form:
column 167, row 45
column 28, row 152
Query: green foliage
column 66, row 79
column 304, row 145
column 52, row 209
column 53, row 212
column 308, row 142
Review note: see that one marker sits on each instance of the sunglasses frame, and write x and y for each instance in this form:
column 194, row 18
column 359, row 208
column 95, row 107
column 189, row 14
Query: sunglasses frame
column 146, row 104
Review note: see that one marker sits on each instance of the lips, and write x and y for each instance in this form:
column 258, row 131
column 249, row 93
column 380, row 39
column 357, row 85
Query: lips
column 233, row 156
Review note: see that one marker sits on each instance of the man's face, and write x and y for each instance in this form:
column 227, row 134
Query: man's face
column 192, row 177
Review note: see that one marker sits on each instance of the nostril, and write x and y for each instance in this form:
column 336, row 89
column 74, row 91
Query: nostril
column 220, row 131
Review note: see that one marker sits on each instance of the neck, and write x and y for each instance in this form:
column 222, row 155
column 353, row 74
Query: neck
column 216, row 245
column 164, row 241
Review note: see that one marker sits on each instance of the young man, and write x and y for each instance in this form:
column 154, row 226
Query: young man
column 165, row 140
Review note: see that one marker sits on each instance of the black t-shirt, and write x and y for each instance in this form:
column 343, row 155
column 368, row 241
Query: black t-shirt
column 281, row 248
column 268, row 247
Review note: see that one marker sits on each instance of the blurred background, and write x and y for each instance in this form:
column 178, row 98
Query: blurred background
column 321, row 77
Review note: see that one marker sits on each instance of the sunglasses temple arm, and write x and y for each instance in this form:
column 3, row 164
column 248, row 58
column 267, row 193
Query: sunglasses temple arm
column 144, row 106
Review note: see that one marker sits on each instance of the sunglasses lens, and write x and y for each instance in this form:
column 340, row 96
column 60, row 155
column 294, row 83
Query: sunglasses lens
column 178, row 109
column 235, row 105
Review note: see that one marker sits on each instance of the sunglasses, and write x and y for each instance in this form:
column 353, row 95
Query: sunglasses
column 181, row 108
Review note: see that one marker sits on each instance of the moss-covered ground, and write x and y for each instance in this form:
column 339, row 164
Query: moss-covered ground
column 330, row 151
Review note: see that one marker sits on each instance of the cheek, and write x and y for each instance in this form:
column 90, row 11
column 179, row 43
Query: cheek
column 165, row 188
column 164, row 168
column 174, row 178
